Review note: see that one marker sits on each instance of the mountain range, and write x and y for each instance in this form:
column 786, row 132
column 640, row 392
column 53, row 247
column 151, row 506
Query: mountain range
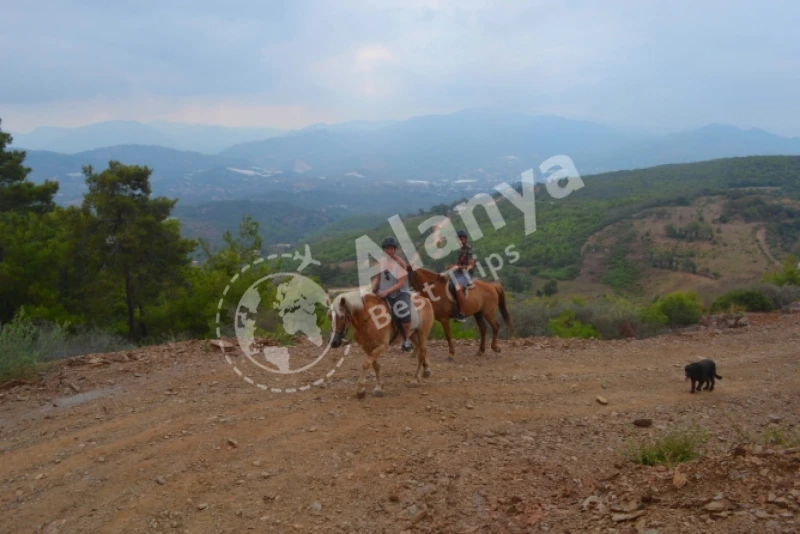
column 363, row 167
column 208, row 139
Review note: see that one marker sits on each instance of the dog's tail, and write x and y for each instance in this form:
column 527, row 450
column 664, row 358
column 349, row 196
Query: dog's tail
column 717, row 376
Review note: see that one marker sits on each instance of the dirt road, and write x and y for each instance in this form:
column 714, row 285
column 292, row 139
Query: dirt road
column 170, row 439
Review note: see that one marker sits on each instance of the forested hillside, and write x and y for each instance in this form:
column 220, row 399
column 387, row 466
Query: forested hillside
column 565, row 225
column 120, row 263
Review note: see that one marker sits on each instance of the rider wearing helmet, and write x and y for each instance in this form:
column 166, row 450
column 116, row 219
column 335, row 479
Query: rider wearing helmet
column 392, row 284
column 461, row 272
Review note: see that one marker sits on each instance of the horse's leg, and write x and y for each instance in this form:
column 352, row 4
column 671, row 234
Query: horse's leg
column 378, row 391
column 423, row 348
column 361, row 390
column 482, row 327
column 450, row 345
column 495, row 329
column 421, row 351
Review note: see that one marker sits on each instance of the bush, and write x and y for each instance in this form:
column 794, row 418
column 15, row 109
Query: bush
column 788, row 275
column 752, row 301
column 674, row 447
column 781, row 296
column 568, row 325
column 23, row 345
column 610, row 317
column 680, row 308
column 531, row 317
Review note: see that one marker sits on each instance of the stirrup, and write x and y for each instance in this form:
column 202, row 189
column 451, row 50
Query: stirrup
column 407, row 346
column 459, row 317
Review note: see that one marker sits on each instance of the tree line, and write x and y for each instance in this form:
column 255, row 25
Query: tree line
column 116, row 262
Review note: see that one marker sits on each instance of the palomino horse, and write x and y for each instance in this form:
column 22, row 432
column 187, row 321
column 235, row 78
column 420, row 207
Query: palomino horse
column 482, row 301
column 374, row 331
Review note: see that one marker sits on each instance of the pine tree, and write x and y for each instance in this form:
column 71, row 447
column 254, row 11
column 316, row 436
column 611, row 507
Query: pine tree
column 16, row 192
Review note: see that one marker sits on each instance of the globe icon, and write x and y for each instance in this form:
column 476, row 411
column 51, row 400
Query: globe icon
column 296, row 300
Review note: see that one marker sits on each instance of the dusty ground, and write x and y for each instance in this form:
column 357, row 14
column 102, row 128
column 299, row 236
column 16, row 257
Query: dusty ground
column 170, row 439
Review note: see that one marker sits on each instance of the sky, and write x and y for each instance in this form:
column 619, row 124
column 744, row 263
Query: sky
column 653, row 65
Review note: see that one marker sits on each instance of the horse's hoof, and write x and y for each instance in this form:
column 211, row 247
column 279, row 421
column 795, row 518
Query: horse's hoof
column 361, row 394
column 377, row 392
column 426, row 373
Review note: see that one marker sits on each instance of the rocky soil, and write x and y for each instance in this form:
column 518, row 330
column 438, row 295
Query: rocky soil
column 170, row 439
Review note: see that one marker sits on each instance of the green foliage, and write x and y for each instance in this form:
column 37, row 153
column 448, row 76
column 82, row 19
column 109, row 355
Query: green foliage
column 457, row 330
column 141, row 248
column 680, row 308
column 694, row 231
column 781, row 296
column 549, row 289
column 564, row 225
column 23, row 346
column 609, row 317
column 751, row 301
column 624, row 274
column 567, row 325
column 674, row 447
column 653, row 315
column 788, row 275
column 16, row 192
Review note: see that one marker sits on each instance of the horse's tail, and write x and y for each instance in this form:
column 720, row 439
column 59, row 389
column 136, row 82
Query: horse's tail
column 501, row 295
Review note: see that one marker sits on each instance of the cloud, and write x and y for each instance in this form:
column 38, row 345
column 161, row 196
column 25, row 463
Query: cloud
column 655, row 64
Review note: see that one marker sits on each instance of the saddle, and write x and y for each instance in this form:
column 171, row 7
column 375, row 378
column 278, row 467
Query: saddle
column 398, row 326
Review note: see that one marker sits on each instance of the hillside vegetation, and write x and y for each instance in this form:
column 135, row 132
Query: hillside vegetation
column 565, row 225
column 119, row 264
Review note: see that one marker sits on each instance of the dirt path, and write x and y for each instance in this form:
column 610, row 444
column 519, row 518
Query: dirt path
column 172, row 440
column 761, row 235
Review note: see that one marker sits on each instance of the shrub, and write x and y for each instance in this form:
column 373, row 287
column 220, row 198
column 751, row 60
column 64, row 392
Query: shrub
column 680, row 308
column 568, row 325
column 752, row 301
column 23, row 345
column 788, row 275
column 531, row 317
column 781, row 296
column 674, row 447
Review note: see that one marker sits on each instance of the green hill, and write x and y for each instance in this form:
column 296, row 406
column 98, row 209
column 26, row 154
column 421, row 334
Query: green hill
column 565, row 225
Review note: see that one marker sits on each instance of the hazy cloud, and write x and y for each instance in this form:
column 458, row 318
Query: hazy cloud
column 654, row 64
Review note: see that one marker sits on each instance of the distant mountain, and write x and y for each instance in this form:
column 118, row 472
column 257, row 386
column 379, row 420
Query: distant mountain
column 437, row 147
column 198, row 178
column 349, row 126
column 171, row 168
column 480, row 144
column 178, row 136
column 369, row 167
column 709, row 142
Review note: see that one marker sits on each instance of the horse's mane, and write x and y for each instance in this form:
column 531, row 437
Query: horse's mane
column 352, row 299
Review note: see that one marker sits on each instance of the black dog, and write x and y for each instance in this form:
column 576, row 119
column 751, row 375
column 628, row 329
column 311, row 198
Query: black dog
column 702, row 372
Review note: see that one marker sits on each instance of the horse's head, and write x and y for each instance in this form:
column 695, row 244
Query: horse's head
column 340, row 314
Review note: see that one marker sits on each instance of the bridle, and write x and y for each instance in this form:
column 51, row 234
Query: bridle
column 345, row 323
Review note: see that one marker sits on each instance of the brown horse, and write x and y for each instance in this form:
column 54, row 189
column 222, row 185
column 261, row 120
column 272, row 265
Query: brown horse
column 482, row 302
column 374, row 331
